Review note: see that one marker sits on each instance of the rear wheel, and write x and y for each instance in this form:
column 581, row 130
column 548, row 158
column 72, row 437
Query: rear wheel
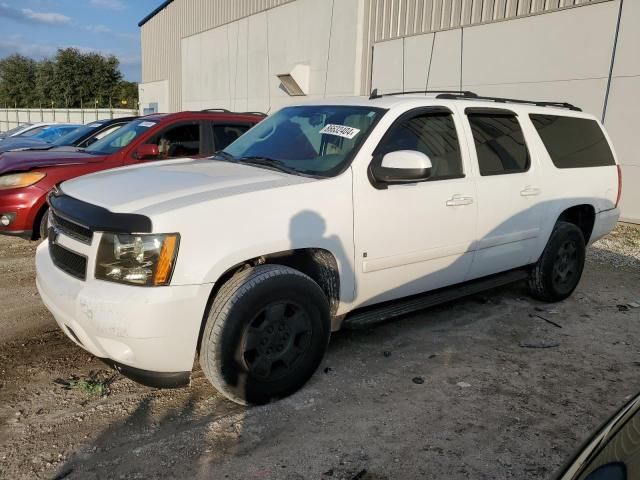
column 558, row 271
column 266, row 333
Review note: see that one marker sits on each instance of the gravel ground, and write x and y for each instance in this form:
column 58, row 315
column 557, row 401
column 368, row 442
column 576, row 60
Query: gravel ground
column 621, row 248
column 487, row 407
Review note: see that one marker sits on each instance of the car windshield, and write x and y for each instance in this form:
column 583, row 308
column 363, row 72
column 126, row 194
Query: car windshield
column 120, row 138
column 317, row 140
column 72, row 137
column 53, row 133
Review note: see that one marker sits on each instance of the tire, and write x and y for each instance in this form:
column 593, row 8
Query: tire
column 43, row 224
column 265, row 334
column 557, row 273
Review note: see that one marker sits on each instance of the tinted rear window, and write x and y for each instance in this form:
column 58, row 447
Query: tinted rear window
column 573, row 142
column 499, row 143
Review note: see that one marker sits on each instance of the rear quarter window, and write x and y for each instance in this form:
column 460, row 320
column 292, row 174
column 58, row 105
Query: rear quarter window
column 573, row 142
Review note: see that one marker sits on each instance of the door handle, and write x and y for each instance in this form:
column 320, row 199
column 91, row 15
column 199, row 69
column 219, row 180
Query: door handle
column 530, row 191
column 459, row 200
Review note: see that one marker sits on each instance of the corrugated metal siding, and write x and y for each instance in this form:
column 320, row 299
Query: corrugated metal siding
column 161, row 36
column 389, row 19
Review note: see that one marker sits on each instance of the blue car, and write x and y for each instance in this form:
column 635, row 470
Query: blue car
column 47, row 136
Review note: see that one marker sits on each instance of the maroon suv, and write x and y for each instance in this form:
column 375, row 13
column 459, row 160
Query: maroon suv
column 26, row 177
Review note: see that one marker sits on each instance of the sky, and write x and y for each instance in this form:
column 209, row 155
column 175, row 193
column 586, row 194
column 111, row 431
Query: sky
column 37, row 28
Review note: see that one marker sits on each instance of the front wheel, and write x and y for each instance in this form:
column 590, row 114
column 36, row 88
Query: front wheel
column 556, row 274
column 265, row 335
column 43, row 225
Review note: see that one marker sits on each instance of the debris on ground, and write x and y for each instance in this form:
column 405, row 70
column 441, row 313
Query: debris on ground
column 463, row 384
column 386, row 354
column 418, row 380
column 557, row 325
column 622, row 308
column 539, row 345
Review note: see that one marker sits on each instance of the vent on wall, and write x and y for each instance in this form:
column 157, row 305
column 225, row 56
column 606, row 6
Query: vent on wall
column 296, row 82
column 289, row 85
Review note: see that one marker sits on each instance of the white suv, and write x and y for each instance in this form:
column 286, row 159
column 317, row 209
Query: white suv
column 326, row 214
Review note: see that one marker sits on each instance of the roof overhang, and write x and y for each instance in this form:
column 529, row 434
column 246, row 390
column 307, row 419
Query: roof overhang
column 161, row 7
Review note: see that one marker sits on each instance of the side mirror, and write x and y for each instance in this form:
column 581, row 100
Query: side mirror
column 147, row 151
column 402, row 166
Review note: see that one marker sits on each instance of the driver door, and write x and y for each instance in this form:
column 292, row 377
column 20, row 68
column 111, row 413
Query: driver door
column 415, row 237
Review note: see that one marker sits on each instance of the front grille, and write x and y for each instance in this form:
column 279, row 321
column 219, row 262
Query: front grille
column 71, row 229
column 68, row 261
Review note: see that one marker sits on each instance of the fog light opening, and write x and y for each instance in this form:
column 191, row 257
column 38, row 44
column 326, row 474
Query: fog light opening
column 6, row 219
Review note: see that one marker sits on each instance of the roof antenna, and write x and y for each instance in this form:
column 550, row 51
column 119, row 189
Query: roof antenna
column 374, row 94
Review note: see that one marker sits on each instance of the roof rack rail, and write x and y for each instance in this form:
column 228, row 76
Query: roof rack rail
column 465, row 93
column 254, row 113
column 223, row 110
column 454, row 96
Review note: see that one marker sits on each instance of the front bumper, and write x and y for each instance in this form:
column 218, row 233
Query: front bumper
column 24, row 204
column 141, row 330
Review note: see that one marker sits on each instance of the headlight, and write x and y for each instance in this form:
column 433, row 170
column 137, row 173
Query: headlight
column 17, row 180
column 146, row 260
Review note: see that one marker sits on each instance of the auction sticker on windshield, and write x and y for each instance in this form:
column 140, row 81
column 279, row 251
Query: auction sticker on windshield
column 147, row 124
column 340, row 130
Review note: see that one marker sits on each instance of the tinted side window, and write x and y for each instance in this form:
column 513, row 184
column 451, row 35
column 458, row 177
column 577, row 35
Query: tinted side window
column 499, row 144
column 178, row 141
column 224, row 135
column 573, row 142
column 432, row 134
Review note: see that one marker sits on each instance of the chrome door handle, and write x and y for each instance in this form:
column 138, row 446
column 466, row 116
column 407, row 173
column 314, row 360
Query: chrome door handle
column 530, row 191
column 459, row 200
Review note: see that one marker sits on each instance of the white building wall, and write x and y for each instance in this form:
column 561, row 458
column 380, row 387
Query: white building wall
column 621, row 117
column 235, row 66
column 154, row 95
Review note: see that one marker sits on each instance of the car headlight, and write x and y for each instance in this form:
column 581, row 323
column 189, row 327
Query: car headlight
column 146, row 260
column 17, row 180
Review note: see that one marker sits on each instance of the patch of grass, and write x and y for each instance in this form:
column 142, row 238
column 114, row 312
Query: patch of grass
column 94, row 384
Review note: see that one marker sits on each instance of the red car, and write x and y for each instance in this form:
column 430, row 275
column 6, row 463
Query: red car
column 26, row 177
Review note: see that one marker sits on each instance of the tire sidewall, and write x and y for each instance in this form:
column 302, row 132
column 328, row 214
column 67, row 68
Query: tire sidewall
column 562, row 233
column 249, row 299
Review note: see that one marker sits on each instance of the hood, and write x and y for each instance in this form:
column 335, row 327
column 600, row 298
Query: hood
column 28, row 160
column 18, row 142
column 173, row 184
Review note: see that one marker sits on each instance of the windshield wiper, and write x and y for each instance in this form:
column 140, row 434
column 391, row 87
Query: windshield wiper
column 223, row 156
column 270, row 163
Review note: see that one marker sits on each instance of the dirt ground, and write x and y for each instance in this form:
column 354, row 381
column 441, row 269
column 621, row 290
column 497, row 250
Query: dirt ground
column 489, row 407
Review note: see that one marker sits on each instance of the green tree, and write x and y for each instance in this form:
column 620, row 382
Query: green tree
column 18, row 81
column 45, row 82
column 71, row 79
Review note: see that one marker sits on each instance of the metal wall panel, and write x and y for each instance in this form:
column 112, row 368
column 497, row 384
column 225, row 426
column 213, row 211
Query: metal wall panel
column 424, row 16
column 161, row 36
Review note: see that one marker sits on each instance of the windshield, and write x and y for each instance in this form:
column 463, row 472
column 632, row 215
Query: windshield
column 72, row 137
column 120, row 138
column 317, row 140
column 53, row 133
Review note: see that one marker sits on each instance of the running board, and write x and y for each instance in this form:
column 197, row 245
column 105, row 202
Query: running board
column 395, row 308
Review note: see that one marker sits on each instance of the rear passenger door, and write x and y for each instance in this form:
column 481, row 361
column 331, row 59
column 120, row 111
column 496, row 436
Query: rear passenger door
column 508, row 191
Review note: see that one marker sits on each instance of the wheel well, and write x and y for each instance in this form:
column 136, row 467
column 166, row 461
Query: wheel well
column 583, row 216
column 319, row 264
